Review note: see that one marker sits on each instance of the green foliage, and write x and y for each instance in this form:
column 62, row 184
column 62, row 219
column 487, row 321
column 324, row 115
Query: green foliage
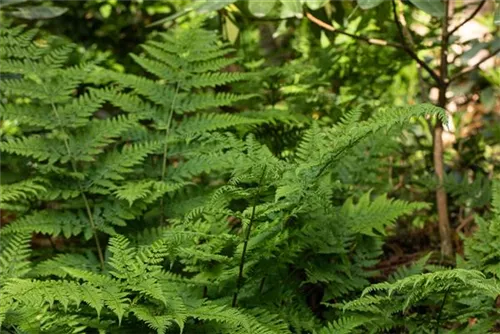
column 172, row 204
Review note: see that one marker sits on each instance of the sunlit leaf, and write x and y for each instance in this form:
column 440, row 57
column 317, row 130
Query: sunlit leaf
column 431, row 7
column 261, row 8
column 291, row 8
column 105, row 10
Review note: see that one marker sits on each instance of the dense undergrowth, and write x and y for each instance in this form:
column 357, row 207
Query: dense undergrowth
column 203, row 192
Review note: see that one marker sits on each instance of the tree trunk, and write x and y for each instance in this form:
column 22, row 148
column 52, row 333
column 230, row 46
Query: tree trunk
column 441, row 196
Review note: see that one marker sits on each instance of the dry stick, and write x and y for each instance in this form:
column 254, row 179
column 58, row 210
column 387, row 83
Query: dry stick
column 470, row 17
column 239, row 280
column 474, row 67
column 375, row 41
column 441, row 196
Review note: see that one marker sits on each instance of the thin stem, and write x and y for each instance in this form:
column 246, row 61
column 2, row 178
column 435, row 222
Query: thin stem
column 239, row 281
column 399, row 25
column 470, row 17
column 165, row 151
column 438, row 320
column 261, row 286
column 474, row 67
column 375, row 41
column 80, row 187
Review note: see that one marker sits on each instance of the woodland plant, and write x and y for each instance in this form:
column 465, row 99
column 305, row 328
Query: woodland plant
column 168, row 211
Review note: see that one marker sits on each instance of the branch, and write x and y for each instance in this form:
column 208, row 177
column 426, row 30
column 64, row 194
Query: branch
column 399, row 25
column 470, row 17
column 374, row 41
column 474, row 67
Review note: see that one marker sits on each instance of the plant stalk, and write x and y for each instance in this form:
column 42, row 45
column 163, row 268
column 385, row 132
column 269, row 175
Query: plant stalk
column 239, row 281
column 165, row 151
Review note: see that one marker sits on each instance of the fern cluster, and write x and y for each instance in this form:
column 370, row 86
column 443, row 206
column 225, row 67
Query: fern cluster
column 174, row 217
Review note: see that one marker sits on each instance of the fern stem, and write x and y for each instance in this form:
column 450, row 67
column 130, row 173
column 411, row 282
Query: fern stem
column 438, row 320
column 239, row 280
column 93, row 226
column 165, row 150
column 80, row 187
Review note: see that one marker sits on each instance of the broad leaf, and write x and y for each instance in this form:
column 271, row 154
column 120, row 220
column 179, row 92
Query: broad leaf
column 6, row 3
column 431, row 7
column 291, row 8
column 199, row 7
column 213, row 5
column 260, row 8
column 367, row 4
column 37, row 13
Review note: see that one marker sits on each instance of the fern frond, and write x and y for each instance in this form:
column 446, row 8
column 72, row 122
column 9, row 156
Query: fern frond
column 14, row 256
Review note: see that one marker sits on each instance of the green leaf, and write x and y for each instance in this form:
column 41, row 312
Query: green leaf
column 214, row 5
column 37, row 13
column 431, row 7
column 199, row 7
column 6, row 3
column 367, row 4
column 291, row 8
column 105, row 10
column 260, row 8
column 315, row 4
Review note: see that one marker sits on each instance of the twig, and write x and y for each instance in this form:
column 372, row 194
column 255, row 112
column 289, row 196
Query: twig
column 470, row 17
column 398, row 24
column 464, row 222
column 474, row 67
column 375, row 41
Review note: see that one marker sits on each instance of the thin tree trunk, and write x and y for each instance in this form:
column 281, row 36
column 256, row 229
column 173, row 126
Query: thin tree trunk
column 441, row 196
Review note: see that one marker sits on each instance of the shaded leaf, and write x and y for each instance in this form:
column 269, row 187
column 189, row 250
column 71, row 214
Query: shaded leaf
column 36, row 13
column 199, row 7
column 367, row 4
column 431, row 7
column 213, row 5
column 6, row 3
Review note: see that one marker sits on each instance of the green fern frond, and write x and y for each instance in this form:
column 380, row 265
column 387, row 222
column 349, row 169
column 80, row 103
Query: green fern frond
column 50, row 222
column 23, row 190
column 14, row 256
